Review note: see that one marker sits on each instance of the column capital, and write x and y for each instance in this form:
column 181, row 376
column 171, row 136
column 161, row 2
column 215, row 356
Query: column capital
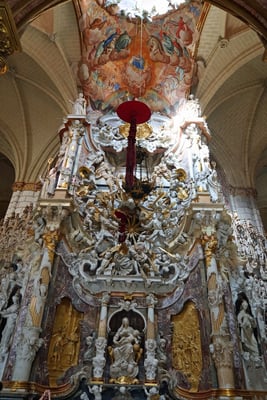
column 242, row 191
column 26, row 186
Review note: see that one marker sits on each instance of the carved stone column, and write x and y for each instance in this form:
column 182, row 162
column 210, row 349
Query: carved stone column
column 222, row 354
column 151, row 363
column 99, row 360
column 151, row 301
column 37, row 304
column 66, row 162
column 26, row 351
column 221, row 347
column 29, row 341
column 103, row 315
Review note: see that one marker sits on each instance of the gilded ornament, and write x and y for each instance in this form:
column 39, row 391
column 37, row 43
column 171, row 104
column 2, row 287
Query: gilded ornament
column 124, row 380
column 143, row 131
column 35, row 313
column 215, row 303
column 139, row 189
column 186, row 345
column 45, row 275
column 3, row 66
column 6, row 48
column 181, row 174
column 9, row 41
column 83, row 190
column 64, row 185
column 50, row 239
column 65, row 341
column 210, row 245
column 182, row 194
column 84, row 172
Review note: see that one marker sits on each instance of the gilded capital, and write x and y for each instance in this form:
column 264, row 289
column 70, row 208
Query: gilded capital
column 210, row 245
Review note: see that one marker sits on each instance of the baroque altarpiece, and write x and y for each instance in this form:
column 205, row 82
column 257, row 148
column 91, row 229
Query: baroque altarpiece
column 148, row 287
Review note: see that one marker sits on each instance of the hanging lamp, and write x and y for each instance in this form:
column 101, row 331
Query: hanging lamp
column 134, row 112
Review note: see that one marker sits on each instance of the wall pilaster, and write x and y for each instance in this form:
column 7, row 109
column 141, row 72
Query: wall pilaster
column 242, row 202
column 24, row 194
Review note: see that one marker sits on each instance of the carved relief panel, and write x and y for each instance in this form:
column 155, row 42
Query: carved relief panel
column 186, row 344
column 65, row 340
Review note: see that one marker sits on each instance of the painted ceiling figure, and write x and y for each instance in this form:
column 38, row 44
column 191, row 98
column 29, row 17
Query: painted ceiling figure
column 126, row 56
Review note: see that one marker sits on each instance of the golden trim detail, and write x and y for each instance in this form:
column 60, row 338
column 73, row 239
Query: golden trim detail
column 67, row 389
column 9, row 40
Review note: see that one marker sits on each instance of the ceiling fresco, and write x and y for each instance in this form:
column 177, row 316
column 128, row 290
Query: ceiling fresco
column 130, row 55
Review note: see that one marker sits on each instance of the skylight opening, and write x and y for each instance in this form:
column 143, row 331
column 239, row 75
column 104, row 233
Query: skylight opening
column 150, row 7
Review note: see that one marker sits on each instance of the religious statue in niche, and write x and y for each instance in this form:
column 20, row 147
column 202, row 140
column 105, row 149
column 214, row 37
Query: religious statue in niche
column 125, row 353
column 9, row 315
column 247, row 328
